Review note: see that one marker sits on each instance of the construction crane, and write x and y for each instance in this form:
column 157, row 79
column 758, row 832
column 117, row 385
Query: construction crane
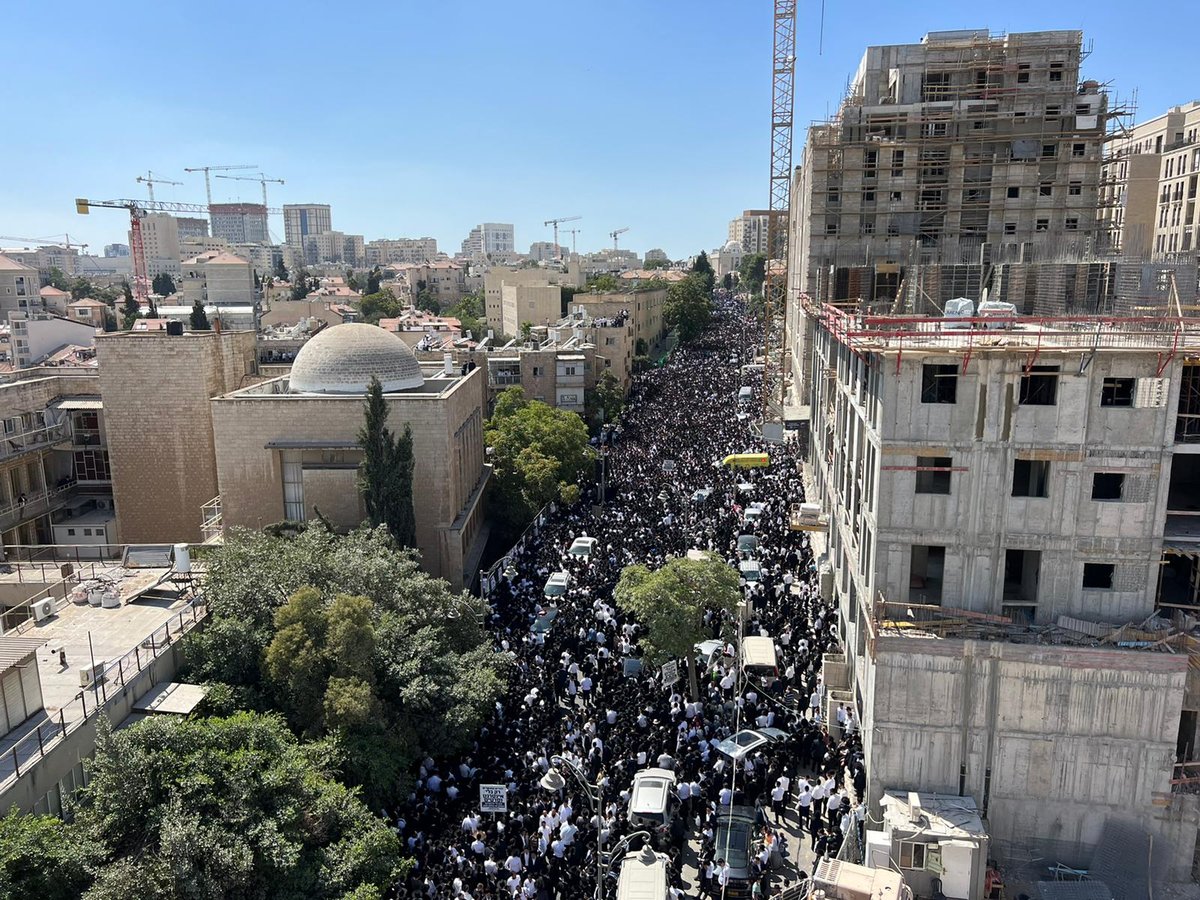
column 616, row 234
column 208, row 183
column 783, row 92
column 262, row 179
column 45, row 242
column 150, row 181
column 572, row 232
column 554, row 222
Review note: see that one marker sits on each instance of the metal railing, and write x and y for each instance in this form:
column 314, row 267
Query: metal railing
column 91, row 700
column 34, row 439
column 39, row 504
column 490, row 577
column 212, row 523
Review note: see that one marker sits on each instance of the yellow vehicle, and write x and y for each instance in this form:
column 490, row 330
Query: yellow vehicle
column 747, row 460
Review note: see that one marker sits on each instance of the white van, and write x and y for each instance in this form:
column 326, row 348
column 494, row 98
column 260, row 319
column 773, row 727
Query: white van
column 746, row 395
column 652, row 800
column 758, row 660
column 644, row 876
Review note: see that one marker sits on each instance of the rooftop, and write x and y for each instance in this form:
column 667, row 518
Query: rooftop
column 941, row 814
column 11, row 265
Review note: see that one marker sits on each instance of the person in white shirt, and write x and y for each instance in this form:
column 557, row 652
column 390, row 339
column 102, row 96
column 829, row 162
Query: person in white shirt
column 725, row 797
column 777, row 794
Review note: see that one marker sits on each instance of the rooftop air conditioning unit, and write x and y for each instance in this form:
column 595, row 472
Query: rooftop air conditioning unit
column 88, row 674
column 43, row 609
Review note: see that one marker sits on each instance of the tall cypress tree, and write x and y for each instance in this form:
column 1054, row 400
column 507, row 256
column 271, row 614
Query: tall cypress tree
column 385, row 475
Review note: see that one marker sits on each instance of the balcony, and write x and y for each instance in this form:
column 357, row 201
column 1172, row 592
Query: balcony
column 40, row 438
column 33, row 506
column 212, row 526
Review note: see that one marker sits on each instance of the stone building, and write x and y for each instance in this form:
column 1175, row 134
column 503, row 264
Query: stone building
column 288, row 447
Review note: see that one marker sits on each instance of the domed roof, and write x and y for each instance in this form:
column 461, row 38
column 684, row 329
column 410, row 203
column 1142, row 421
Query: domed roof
column 342, row 360
column 733, row 246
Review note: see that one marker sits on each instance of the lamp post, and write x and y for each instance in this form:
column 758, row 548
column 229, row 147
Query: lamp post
column 554, row 781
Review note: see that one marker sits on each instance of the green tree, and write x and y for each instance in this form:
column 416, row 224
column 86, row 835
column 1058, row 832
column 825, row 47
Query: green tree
column 378, row 306
column 300, row 284
column 199, row 318
column 43, row 857
column 163, row 284
column 704, row 268
column 603, row 284
column 605, row 401
column 652, row 264
column 58, row 280
column 374, row 277
column 752, row 271
column 671, row 603
column 540, row 453
column 432, row 673
column 280, row 270
column 470, row 313
column 385, row 475
column 688, row 307
column 427, row 300
column 727, row 281
column 258, row 282
column 80, row 287
column 131, row 310
column 526, row 331
column 110, row 321
column 227, row 807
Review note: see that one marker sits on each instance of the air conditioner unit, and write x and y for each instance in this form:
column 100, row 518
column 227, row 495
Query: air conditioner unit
column 43, row 609
column 88, row 674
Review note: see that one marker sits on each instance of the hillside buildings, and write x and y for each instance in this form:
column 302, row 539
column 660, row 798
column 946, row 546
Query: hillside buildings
column 1150, row 178
column 401, row 251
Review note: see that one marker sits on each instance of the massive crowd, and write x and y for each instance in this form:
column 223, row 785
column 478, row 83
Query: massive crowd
column 571, row 694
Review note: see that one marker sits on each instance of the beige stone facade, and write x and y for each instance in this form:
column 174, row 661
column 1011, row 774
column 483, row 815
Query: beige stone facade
column 285, row 456
column 538, row 304
column 156, row 389
column 644, row 310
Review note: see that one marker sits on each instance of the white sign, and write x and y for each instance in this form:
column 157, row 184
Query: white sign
column 493, row 798
column 1152, row 392
column 670, row 673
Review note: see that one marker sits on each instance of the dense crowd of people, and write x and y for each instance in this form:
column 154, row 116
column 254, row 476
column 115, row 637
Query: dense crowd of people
column 575, row 694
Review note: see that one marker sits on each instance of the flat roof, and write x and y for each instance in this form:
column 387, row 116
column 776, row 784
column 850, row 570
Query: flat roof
column 175, row 698
column 14, row 650
column 436, row 384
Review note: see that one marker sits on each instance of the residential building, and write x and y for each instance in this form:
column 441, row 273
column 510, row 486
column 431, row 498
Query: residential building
column 287, row 448
column 88, row 311
column 945, row 158
column 444, row 280
column 161, row 439
column 1009, row 508
column 657, row 255
column 38, row 335
column 750, row 230
column 537, row 304
column 101, row 266
column 491, row 239
column 190, row 227
column 642, row 306
column 335, row 247
column 301, row 220
column 45, row 257
column 19, row 286
column 1150, row 178
column 218, row 279
column 609, row 261
column 160, row 242
column 495, row 279
column 404, row 251
column 240, row 223
column 54, row 300
column 111, row 250
column 546, row 251
column 190, row 248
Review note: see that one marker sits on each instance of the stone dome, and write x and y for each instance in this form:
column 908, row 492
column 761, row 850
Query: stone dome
column 342, row 360
column 733, row 246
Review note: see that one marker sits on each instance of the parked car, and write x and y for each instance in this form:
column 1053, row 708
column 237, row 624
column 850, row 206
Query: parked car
column 653, row 803
column 583, row 547
column 557, row 585
column 747, row 546
column 748, row 740
column 734, row 843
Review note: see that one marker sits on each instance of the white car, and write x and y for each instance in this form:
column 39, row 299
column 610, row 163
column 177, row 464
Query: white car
column 749, row 570
column 754, row 512
column 748, row 740
column 557, row 585
column 583, row 546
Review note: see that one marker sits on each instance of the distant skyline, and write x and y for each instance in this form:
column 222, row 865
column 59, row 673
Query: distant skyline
column 415, row 120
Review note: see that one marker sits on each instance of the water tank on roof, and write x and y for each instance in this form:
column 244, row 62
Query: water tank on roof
column 183, row 560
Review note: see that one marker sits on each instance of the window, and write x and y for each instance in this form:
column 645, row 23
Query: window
column 1052, row 111
column 912, row 855
column 1023, row 73
column 1046, row 189
column 896, row 195
column 939, row 383
column 538, row 371
column 868, row 196
column 1056, row 71
column 1098, row 576
column 1107, row 485
column 1072, row 223
column 1010, row 227
column 933, row 474
column 87, row 532
column 1014, row 193
column 1117, row 392
column 293, row 485
column 897, row 163
column 71, row 532
column 1075, row 188
column 1049, row 151
column 92, row 465
column 1079, row 150
column 1042, row 225
column 831, row 227
column 1039, row 386
column 1031, row 478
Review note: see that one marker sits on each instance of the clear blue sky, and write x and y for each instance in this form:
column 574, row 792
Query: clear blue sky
column 416, row 118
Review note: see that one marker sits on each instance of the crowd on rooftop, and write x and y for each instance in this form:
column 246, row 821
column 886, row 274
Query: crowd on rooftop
column 572, row 695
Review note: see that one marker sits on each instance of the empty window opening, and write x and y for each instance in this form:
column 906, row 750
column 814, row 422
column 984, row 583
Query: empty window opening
column 933, row 474
column 1098, row 576
column 1107, row 485
column 1117, row 392
column 1031, row 478
column 939, row 383
column 1022, row 569
column 1039, row 386
column 927, row 568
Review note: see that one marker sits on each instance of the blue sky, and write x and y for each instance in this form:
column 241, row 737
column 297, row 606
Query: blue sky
column 416, row 118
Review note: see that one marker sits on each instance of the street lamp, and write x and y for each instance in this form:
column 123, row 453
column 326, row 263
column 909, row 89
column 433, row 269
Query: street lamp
column 554, row 781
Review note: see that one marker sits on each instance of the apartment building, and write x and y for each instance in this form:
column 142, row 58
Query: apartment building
column 335, row 247
column 750, row 230
column 1150, row 179
column 160, row 240
column 403, row 251
column 36, row 336
column 1010, row 505
column 498, row 277
column 491, row 239
column 240, row 223
column 446, row 281
column 643, row 306
column 19, row 287
column 190, row 227
column 303, row 219
column 966, row 150
column 546, row 251
column 218, row 279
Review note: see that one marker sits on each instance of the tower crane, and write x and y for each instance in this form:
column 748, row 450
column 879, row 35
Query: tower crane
column 150, row 181
column 138, row 210
column 616, row 234
column 555, row 223
column 260, row 178
column 572, row 232
column 783, row 87
column 45, row 242
column 208, row 183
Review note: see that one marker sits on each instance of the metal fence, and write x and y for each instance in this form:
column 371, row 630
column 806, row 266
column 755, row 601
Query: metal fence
column 489, row 578
column 91, row 700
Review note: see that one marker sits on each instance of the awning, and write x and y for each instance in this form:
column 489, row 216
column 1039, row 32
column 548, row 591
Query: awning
column 14, row 650
column 313, row 445
column 78, row 403
column 176, row 698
